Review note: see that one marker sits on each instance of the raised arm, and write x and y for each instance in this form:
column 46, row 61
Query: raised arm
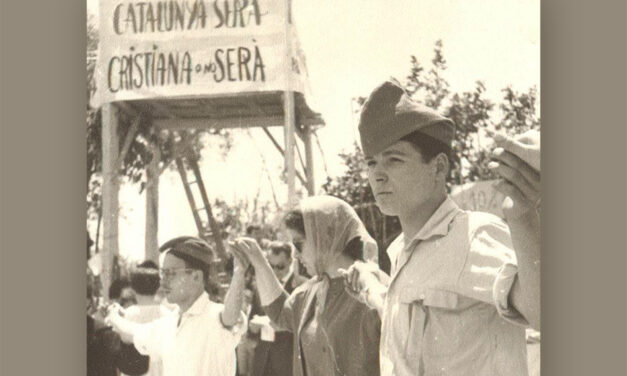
column 234, row 297
column 273, row 297
column 517, row 161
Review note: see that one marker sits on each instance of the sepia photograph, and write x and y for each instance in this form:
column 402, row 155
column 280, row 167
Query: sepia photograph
column 313, row 188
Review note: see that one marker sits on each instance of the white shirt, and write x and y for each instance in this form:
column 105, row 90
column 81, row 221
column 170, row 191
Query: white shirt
column 199, row 345
column 142, row 314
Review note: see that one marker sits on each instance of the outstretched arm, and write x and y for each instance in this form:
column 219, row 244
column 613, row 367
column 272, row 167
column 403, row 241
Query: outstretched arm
column 125, row 328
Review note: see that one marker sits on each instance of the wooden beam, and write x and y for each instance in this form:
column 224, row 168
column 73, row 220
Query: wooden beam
column 182, row 123
column 289, row 147
column 151, row 243
column 130, row 136
column 110, row 190
column 309, row 172
column 280, row 149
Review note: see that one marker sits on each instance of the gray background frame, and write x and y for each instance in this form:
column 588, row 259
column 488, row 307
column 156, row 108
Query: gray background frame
column 42, row 187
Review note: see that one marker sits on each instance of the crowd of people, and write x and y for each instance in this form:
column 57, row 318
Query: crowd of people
column 462, row 290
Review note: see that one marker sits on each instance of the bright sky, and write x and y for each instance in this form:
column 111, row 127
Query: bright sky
column 351, row 46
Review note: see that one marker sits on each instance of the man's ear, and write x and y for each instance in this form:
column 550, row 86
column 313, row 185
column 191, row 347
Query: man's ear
column 442, row 165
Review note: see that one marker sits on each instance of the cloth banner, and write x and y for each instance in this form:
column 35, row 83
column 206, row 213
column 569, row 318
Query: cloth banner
column 194, row 48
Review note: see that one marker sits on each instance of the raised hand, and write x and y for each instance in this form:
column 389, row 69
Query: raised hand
column 517, row 162
column 247, row 251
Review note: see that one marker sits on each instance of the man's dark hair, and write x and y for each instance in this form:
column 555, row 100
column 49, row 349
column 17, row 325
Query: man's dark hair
column 115, row 290
column 429, row 147
column 252, row 228
column 277, row 248
column 145, row 278
column 294, row 220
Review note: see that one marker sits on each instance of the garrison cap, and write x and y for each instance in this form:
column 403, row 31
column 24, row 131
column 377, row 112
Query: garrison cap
column 191, row 247
column 389, row 114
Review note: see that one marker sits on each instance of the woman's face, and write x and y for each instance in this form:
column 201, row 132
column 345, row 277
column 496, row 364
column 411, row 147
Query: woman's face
column 303, row 251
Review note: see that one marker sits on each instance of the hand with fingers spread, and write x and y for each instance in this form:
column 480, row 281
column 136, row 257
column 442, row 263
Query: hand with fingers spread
column 517, row 161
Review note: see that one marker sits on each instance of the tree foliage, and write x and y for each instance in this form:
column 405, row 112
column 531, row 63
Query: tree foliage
column 470, row 110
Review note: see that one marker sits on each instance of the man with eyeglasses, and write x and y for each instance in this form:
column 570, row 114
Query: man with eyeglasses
column 273, row 354
column 200, row 337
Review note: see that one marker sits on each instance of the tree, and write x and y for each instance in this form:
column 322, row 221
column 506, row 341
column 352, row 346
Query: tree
column 470, row 111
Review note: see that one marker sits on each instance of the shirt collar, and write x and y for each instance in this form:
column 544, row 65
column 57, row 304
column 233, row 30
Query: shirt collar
column 199, row 305
column 438, row 223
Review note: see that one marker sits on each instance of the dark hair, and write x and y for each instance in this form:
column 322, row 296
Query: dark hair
column 355, row 249
column 294, row 220
column 429, row 147
column 190, row 262
column 277, row 248
column 115, row 290
column 145, row 278
column 250, row 229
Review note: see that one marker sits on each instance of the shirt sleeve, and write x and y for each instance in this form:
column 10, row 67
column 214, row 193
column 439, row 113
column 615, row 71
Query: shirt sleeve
column 281, row 311
column 231, row 335
column 505, row 279
column 490, row 267
column 148, row 338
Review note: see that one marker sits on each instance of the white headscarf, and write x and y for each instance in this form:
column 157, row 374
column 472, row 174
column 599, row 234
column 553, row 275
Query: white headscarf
column 330, row 223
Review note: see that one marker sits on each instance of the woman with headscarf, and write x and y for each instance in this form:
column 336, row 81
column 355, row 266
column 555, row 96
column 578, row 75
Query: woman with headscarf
column 334, row 333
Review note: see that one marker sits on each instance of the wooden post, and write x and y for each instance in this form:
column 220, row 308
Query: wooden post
column 309, row 172
column 288, row 104
column 110, row 190
column 289, row 112
column 151, row 244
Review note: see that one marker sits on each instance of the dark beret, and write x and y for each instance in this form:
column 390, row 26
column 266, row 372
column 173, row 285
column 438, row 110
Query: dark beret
column 190, row 246
column 389, row 114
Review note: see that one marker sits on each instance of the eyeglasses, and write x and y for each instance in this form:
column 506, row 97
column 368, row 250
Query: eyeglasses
column 171, row 273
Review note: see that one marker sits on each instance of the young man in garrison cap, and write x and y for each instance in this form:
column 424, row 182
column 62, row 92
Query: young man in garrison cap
column 201, row 336
column 454, row 303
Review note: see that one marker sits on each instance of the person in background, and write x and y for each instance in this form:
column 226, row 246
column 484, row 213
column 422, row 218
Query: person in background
column 200, row 337
column 458, row 298
column 145, row 283
column 273, row 354
column 107, row 354
column 122, row 293
column 334, row 334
